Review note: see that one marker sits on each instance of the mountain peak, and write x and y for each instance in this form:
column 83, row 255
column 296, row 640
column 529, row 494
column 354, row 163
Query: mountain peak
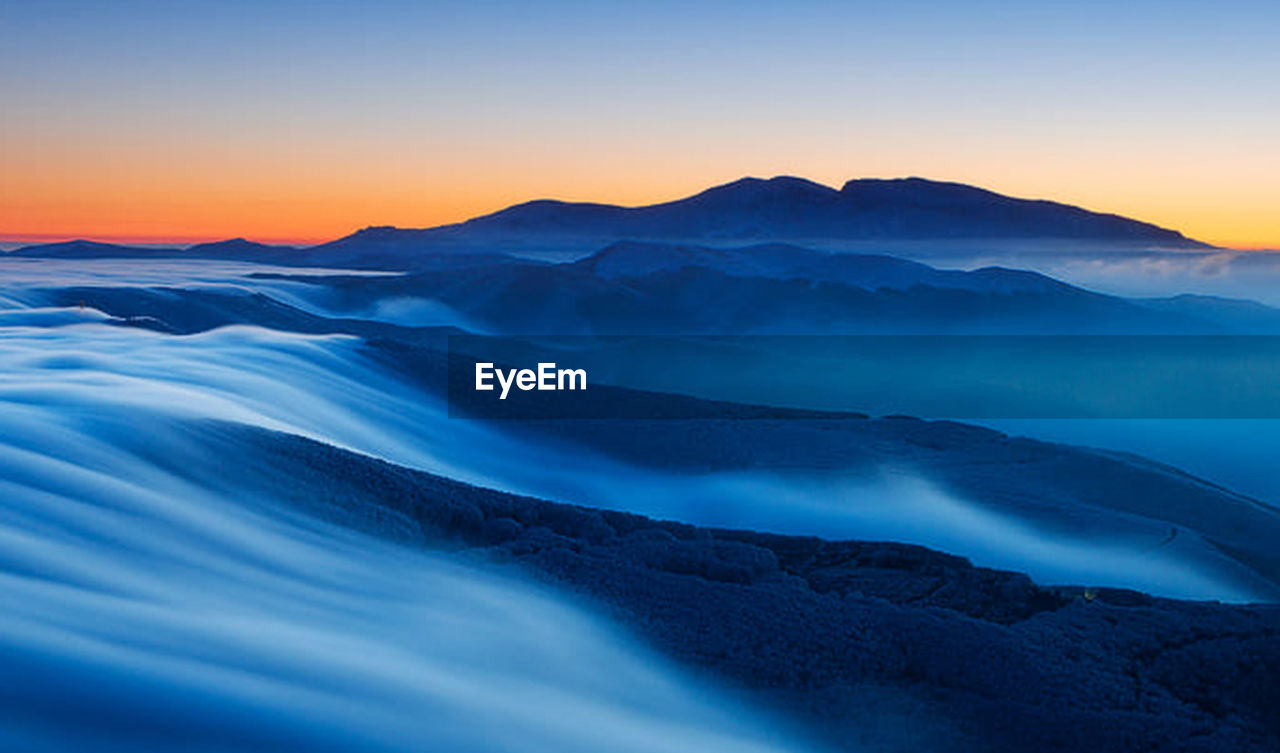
column 375, row 231
column 87, row 249
column 788, row 208
column 233, row 243
column 777, row 185
column 915, row 186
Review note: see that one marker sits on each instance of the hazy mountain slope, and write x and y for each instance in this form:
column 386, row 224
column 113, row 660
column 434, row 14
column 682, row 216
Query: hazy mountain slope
column 637, row 287
column 631, row 259
column 1075, row 492
column 1042, row 494
column 634, row 286
column 566, row 299
column 1232, row 314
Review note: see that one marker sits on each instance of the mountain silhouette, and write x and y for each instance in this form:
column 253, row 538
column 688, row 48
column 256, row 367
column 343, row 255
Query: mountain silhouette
column 749, row 210
column 781, row 261
column 784, row 208
column 241, row 249
column 85, row 249
column 235, row 249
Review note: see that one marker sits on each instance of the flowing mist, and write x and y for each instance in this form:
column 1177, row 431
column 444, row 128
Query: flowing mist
column 151, row 612
column 328, row 388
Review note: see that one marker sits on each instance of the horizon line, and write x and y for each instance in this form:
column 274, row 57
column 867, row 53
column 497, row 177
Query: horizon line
column 24, row 238
column 13, row 241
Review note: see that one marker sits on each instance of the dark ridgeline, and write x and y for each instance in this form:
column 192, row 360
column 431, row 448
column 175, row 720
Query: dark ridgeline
column 794, row 208
column 632, row 287
column 83, row 249
column 872, row 646
column 235, row 249
column 750, row 209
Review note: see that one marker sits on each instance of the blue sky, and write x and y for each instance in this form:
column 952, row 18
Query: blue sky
column 213, row 113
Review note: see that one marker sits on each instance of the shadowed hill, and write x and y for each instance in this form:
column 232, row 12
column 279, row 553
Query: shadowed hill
column 870, row 644
column 1072, row 491
column 793, row 208
column 631, row 287
column 749, row 209
column 85, row 249
column 235, row 249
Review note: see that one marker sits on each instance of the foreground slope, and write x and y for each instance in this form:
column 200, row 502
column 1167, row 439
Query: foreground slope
column 1069, row 493
column 872, row 644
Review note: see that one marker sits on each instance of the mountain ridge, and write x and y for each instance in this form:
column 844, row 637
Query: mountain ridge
column 778, row 209
column 788, row 207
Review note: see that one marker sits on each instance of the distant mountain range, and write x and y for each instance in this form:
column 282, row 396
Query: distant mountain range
column 633, row 287
column 746, row 210
column 794, row 208
column 235, row 249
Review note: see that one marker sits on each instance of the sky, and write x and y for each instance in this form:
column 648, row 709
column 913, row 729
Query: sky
column 283, row 120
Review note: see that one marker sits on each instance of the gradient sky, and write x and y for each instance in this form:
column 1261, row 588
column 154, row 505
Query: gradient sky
column 282, row 120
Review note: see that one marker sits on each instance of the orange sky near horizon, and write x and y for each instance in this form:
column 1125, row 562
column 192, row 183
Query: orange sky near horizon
column 280, row 120
column 151, row 210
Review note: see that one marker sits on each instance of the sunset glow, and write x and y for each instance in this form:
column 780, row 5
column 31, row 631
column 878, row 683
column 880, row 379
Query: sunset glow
column 330, row 117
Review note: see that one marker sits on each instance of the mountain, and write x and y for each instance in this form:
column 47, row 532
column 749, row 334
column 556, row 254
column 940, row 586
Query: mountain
column 84, row 249
column 867, row 645
column 235, row 249
column 788, row 208
column 1232, row 314
column 244, row 250
column 634, row 287
column 749, row 209
column 781, row 261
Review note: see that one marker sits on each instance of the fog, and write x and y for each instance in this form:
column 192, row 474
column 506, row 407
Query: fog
column 145, row 613
column 328, row 389
column 165, row 589
column 1236, row 453
column 1134, row 273
column 154, row 610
